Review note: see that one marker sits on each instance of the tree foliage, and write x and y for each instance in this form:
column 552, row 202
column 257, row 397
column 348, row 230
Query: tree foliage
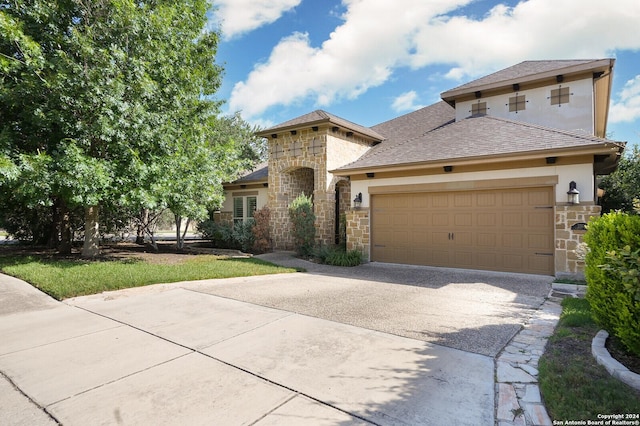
column 111, row 104
column 622, row 187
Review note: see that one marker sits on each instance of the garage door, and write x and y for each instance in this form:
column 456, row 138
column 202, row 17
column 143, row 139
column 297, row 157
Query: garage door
column 501, row 230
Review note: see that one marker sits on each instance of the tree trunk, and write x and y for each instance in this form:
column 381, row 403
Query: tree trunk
column 144, row 220
column 65, row 230
column 54, row 228
column 91, row 247
column 178, row 220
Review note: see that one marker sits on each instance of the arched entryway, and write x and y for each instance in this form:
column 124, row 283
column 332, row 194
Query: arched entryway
column 290, row 183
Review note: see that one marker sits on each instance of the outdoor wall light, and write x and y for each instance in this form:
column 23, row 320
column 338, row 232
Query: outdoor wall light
column 573, row 195
column 357, row 202
column 448, row 169
column 371, row 175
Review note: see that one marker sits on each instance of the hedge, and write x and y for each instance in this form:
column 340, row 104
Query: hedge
column 613, row 275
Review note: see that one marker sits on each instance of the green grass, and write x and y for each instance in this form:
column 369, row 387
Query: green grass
column 68, row 278
column 573, row 385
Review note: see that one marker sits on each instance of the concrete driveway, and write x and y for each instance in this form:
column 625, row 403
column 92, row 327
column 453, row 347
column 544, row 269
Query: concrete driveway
column 376, row 344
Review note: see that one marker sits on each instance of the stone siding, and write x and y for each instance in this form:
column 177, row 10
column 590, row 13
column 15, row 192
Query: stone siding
column 569, row 253
column 299, row 161
column 359, row 231
column 223, row 218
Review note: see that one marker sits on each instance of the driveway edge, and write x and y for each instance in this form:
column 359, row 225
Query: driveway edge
column 519, row 402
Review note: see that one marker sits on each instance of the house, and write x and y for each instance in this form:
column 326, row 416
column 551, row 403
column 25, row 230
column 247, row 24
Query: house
column 487, row 178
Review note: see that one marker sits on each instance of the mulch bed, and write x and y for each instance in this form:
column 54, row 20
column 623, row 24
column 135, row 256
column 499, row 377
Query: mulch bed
column 618, row 351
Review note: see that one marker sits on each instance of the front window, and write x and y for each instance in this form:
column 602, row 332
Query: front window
column 244, row 208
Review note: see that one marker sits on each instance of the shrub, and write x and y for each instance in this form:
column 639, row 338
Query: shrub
column 238, row 237
column 303, row 222
column 337, row 256
column 614, row 241
column 261, row 230
column 344, row 258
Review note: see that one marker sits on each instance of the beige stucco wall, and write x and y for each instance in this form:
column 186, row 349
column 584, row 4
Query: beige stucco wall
column 227, row 205
column 582, row 174
column 577, row 115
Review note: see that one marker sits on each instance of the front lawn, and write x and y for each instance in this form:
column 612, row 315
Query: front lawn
column 63, row 278
column 573, row 385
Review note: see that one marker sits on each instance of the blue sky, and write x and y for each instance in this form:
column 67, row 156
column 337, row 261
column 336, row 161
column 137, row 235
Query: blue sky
column 369, row 61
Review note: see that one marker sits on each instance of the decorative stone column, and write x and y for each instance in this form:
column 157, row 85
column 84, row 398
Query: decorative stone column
column 358, row 231
column 571, row 221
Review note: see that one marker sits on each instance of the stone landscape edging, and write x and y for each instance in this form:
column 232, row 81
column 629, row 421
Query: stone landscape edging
column 615, row 368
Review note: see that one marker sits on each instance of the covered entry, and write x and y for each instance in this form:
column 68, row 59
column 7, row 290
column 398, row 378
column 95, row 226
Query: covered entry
column 499, row 229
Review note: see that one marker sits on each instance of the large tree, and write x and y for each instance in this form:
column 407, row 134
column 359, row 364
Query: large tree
column 622, row 187
column 105, row 101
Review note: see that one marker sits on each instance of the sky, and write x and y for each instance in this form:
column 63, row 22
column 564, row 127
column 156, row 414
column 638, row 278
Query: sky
column 369, row 61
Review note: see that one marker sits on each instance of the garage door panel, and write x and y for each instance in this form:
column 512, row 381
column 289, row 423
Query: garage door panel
column 440, row 238
column 439, row 200
column 462, row 200
column 504, row 229
column 463, row 219
column 419, row 219
column 486, row 219
column 487, row 240
column 513, row 241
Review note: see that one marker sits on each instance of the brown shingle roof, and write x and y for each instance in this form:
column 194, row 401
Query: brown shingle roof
column 475, row 137
column 321, row 117
column 529, row 71
column 259, row 173
column 416, row 123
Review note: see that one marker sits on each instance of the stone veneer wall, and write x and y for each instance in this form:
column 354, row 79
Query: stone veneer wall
column 358, row 231
column 223, row 218
column 316, row 151
column 569, row 251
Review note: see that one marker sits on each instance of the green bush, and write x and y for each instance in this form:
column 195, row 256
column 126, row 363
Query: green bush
column 337, row 256
column 238, row 237
column 344, row 258
column 614, row 241
column 303, row 222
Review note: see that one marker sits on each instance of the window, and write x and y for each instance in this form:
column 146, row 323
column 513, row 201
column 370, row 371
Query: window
column 517, row 103
column 560, row 96
column 479, row 108
column 244, row 208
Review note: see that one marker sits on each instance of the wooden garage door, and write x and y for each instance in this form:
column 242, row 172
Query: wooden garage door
column 500, row 230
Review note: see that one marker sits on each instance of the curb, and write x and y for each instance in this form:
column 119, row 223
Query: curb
column 604, row 358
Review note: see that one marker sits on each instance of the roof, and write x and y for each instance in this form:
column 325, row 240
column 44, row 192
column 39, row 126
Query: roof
column 528, row 71
column 320, row 117
column 416, row 123
column 474, row 137
column 258, row 174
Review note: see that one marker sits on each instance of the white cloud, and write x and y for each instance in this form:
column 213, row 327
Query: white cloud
column 379, row 36
column 406, row 102
column 236, row 17
column 627, row 107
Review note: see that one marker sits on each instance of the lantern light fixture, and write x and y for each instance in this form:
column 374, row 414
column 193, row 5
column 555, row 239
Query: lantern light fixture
column 357, row 202
column 573, row 195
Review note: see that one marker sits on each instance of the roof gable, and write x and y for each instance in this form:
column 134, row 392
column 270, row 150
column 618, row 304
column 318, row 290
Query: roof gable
column 529, row 71
column 320, row 117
